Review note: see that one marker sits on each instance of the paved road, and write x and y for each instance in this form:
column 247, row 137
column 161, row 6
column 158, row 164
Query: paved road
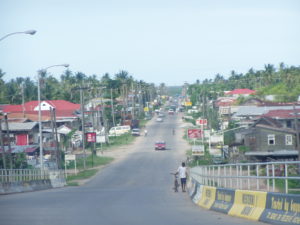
column 136, row 190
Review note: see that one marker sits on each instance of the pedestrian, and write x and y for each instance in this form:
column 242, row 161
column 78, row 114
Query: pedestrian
column 182, row 175
column 146, row 132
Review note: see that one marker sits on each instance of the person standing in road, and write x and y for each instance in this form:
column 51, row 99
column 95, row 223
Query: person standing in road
column 182, row 175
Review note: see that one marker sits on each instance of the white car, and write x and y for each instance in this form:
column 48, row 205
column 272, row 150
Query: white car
column 159, row 119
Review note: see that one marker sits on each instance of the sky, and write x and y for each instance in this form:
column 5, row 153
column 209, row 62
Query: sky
column 158, row 41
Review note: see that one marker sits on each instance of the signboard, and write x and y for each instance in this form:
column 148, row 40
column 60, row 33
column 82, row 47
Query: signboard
column 198, row 150
column 216, row 152
column 201, row 122
column 100, row 139
column 70, row 157
column 206, row 133
column 188, row 104
column 216, row 138
column 146, row 109
column 194, row 133
column 91, row 137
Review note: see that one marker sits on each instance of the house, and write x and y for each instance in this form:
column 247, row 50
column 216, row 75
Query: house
column 21, row 133
column 268, row 139
column 240, row 93
column 66, row 112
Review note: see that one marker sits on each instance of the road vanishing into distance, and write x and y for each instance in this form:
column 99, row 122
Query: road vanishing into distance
column 135, row 191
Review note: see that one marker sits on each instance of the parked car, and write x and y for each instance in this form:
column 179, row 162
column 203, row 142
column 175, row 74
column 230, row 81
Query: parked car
column 136, row 132
column 159, row 119
column 160, row 145
column 119, row 130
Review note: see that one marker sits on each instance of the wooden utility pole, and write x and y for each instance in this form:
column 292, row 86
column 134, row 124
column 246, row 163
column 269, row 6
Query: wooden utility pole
column 81, row 89
column 23, row 100
column 8, row 141
column 58, row 155
column 112, row 107
column 297, row 130
column 2, row 146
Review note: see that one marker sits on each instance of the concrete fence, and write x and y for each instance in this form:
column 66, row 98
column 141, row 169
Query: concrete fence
column 13, row 181
column 219, row 189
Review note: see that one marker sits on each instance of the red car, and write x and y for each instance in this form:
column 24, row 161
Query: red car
column 160, row 145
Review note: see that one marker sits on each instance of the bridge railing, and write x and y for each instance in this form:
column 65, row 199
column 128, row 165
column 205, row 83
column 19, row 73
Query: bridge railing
column 14, row 175
column 269, row 176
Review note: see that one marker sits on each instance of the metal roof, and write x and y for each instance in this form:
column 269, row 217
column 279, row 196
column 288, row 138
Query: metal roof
column 274, row 153
column 19, row 126
column 258, row 111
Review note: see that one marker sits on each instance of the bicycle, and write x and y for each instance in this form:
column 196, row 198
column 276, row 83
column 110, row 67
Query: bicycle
column 176, row 183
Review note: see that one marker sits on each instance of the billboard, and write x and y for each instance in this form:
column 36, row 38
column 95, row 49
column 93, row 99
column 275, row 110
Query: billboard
column 201, row 122
column 194, row 133
column 198, row 150
column 91, row 137
column 216, row 152
column 188, row 104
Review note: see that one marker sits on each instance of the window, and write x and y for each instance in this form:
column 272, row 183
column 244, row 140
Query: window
column 271, row 139
column 288, row 140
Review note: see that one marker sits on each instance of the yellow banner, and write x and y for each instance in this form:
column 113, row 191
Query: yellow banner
column 146, row 109
column 208, row 197
column 188, row 104
column 248, row 204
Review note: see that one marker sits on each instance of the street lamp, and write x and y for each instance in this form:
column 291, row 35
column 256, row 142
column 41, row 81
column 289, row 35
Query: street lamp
column 40, row 112
column 31, row 32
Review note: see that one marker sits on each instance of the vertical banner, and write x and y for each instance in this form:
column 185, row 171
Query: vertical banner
column 91, row 137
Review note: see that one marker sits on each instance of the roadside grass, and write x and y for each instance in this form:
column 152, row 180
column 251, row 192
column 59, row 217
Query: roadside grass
column 91, row 161
column 116, row 141
column 82, row 175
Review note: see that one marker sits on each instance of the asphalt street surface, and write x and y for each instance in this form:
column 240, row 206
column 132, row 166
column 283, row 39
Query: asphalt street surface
column 133, row 191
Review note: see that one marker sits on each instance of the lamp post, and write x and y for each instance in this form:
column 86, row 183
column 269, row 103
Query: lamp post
column 31, row 32
column 40, row 112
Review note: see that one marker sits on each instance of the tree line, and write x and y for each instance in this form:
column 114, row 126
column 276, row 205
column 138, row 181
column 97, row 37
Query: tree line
column 122, row 83
column 282, row 82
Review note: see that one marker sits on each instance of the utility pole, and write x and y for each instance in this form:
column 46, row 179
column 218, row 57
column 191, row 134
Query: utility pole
column 81, row 89
column 297, row 130
column 112, row 107
column 58, row 155
column 103, row 118
column 133, row 100
column 23, row 100
column 8, row 141
column 82, row 124
column 52, row 131
column 2, row 146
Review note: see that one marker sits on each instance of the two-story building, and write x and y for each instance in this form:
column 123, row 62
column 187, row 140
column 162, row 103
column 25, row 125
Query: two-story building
column 268, row 139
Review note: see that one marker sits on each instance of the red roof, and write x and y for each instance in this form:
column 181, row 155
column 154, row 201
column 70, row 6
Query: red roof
column 241, row 92
column 282, row 113
column 59, row 105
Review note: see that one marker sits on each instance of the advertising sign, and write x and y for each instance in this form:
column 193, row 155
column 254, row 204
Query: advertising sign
column 70, row 157
column 216, row 152
column 188, row 103
column 194, row 133
column 216, row 138
column 91, row 137
column 198, row 150
column 201, row 122
column 100, row 139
